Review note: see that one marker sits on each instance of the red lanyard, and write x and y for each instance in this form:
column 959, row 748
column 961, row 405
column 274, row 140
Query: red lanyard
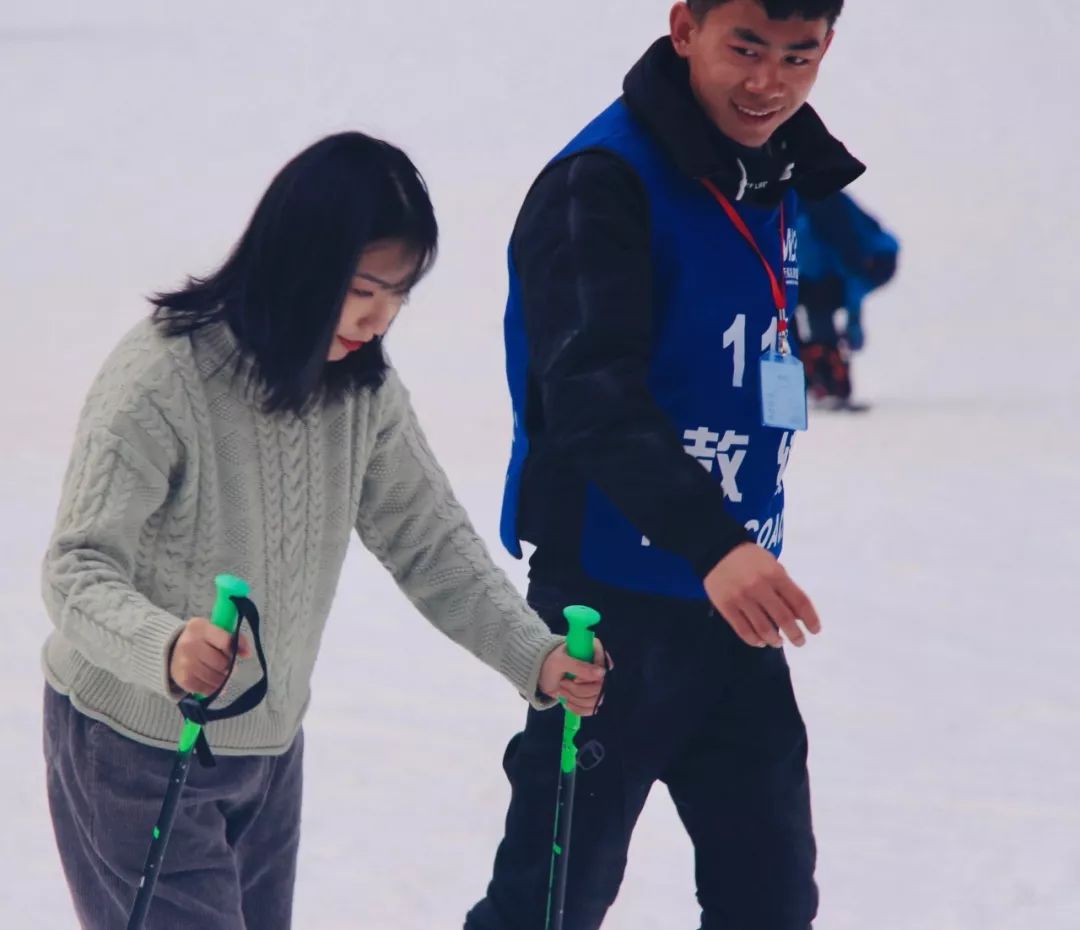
column 779, row 296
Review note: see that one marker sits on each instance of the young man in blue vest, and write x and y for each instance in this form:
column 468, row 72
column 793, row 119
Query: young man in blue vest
column 650, row 268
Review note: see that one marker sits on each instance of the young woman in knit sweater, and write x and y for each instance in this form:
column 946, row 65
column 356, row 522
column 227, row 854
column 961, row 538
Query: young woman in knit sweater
column 248, row 426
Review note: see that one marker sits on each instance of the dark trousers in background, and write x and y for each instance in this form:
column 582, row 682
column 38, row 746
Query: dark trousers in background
column 688, row 704
column 824, row 351
column 231, row 860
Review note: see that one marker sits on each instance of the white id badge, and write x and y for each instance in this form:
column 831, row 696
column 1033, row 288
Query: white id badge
column 783, row 391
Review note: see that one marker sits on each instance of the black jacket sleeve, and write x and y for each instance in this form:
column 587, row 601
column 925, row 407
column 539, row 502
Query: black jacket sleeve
column 581, row 247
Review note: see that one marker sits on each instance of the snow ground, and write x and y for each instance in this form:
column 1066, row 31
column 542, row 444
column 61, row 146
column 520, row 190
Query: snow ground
column 938, row 533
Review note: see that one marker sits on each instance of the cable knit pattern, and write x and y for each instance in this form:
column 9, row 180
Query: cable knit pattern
column 411, row 521
column 177, row 475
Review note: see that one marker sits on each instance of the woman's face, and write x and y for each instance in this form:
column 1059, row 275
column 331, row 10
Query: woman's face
column 375, row 296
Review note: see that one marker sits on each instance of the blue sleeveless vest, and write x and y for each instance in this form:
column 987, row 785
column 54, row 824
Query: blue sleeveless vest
column 714, row 315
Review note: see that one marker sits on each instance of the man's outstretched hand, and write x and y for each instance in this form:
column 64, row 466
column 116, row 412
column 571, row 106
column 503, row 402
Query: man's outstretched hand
column 755, row 595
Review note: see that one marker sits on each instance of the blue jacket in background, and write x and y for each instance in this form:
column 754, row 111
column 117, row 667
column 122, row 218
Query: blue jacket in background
column 837, row 238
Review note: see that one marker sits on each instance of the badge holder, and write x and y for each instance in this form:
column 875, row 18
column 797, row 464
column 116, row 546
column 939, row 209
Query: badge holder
column 783, row 386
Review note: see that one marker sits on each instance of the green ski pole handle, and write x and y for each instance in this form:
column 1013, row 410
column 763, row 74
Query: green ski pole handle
column 223, row 615
column 581, row 640
column 580, row 644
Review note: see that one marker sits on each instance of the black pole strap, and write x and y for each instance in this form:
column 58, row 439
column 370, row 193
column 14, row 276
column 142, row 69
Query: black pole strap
column 201, row 713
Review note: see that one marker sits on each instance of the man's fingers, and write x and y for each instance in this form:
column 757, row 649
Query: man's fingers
column 741, row 626
column 761, row 624
column 243, row 647
column 800, row 605
column 809, row 617
column 756, row 596
column 782, row 615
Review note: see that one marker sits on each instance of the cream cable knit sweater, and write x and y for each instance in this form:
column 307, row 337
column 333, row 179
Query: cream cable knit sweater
column 177, row 475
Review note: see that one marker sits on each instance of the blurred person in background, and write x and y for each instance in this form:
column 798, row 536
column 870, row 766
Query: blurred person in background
column 844, row 255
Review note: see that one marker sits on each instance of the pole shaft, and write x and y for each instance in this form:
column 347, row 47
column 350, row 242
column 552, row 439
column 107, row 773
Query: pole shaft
column 560, row 861
column 160, row 838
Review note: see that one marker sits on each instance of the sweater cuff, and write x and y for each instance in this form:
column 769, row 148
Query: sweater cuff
column 524, row 659
column 156, row 635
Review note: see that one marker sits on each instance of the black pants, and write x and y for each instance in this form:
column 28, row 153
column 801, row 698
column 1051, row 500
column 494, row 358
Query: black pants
column 689, row 705
column 824, row 350
column 820, row 299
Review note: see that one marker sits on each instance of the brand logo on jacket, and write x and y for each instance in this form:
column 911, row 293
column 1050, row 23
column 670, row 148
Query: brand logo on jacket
column 791, row 257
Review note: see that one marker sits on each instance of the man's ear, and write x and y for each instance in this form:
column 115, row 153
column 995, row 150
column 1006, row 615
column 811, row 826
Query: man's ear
column 828, row 41
column 683, row 25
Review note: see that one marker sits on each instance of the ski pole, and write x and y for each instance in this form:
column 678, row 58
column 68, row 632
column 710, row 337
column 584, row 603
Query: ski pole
column 579, row 643
column 224, row 615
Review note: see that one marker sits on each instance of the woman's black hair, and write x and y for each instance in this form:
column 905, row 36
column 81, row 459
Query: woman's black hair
column 282, row 289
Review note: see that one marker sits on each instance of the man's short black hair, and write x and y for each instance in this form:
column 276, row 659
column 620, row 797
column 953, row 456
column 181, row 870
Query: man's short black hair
column 781, row 9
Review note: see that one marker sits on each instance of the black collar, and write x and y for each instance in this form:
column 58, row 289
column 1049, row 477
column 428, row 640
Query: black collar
column 801, row 154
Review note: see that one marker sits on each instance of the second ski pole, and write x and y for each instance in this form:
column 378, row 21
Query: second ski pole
column 580, row 645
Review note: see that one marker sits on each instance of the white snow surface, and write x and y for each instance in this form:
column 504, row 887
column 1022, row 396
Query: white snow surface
column 938, row 533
